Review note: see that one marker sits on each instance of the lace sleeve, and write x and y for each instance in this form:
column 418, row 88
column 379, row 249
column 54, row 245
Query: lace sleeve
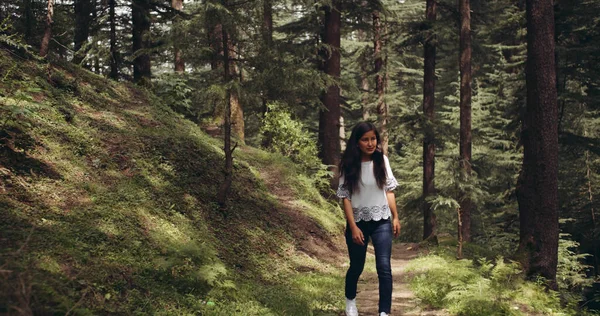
column 342, row 191
column 391, row 183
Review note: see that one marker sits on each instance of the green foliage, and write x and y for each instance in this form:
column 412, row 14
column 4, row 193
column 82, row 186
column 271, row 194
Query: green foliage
column 18, row 106
column 571, row 274
column 14, row 41
column 482, row 288
column 13, row 110
column 289, row 137
column 174, row 91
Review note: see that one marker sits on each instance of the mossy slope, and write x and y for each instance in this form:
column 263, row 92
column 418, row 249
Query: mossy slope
column 107, row 207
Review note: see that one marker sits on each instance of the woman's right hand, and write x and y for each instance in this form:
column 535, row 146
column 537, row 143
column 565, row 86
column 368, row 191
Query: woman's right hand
column 357, row 236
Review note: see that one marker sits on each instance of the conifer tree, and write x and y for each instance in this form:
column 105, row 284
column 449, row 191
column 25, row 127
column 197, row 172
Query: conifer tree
column 382, row 107
column 114, row 55
column 81, row 29
column 227, row 77
column 178, row 59
column 577, row 42
column 465, row 115
column 329, row 121
column 429, row 219
column 48, row 29
column 537, row 191
column 140, row 11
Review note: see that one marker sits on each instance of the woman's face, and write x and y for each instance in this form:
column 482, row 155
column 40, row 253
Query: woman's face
column 368, row 143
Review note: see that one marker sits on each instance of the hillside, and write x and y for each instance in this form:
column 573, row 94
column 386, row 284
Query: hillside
column 107, row 207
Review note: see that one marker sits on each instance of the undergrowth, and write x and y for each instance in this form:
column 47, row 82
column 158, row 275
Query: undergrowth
column 483, row 286
column 106, row 199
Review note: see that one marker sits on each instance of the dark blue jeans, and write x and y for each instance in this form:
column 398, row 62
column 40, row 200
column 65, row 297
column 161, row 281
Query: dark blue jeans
column 380, row 232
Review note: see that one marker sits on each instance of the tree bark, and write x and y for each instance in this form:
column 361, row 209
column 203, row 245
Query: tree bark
column 178, row 59
column 364, row 87
column 429, row 219
column 228, row 176
column 215, row 38
column 83, row 8
column 588, row 175
column 382, row 108
column 537, row 190
column 94, row 5
column 364, row 69
column 329, row 119
column 465, row 114
column 48, row 29
column 267, row 27
column 342, row 134
column 267, row 34
column 237, row 112
column 114, row 58
column 30, row 20
column 140, row 10
column 214, row 29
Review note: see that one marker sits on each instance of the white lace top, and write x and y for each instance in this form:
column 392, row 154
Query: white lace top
column 370, row 202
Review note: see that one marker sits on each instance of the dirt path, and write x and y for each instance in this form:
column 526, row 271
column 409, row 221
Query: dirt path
column 319, row 245
column 403, row 300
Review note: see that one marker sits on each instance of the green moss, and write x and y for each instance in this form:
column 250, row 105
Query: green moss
column 114, row 212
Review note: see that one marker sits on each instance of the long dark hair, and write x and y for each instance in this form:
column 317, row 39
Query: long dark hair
column 351, row 159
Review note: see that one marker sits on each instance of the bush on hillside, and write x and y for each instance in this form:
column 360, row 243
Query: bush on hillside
column 288, row 137
column 483, row 287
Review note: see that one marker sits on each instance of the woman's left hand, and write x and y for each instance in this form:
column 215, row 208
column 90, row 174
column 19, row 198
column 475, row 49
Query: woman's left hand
column 396, row 226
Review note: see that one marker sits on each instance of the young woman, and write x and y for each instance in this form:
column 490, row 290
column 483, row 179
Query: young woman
column 366, row 184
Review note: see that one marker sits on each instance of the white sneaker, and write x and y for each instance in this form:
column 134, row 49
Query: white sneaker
column 351, row 309
column 384, row 314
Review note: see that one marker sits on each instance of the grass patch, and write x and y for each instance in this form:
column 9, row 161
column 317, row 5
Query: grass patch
column 107, row 201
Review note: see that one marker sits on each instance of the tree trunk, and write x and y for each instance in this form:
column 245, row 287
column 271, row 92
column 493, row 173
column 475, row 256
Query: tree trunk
column 237, row 112
column 215, row 39
column 140, row 10
column 537, row 190
column 342, row 134
column 94, row 5
column 215, row 35
column 228, row 172
column 48, row 29
column 267, row 34
column 30, row 20
column 465, row 114
column 364, row 71
column 96, row 65
column 179, row 62
column 382, row 108
column 429, row 219
column 267, row 27
column 83, row 8
column 114, row 58
column 593, row 212
column 364, row 87
column 329, row 119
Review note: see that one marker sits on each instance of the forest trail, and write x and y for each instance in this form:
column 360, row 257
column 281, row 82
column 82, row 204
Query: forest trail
column 404, row 301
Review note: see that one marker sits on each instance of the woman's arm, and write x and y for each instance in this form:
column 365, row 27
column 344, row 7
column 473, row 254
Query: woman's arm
column 357, row 235
column 391, row 198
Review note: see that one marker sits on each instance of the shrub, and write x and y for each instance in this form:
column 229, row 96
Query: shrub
column 288, row 137
column 174, row 91
column 486, row 288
